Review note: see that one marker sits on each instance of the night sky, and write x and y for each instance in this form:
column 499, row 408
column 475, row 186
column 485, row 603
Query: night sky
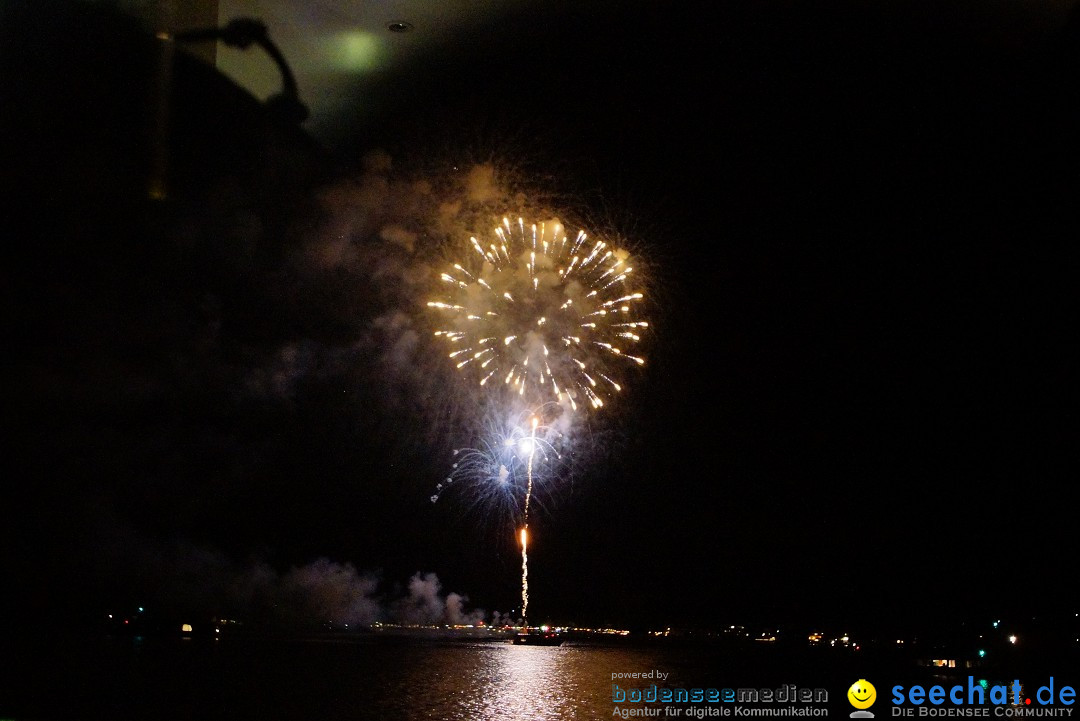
column 860, row 405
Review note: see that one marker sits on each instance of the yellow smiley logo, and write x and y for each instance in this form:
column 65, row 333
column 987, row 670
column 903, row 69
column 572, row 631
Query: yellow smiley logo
column 862, row 694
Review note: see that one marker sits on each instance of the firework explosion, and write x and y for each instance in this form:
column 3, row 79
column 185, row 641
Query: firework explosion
column 495, row 475
column 544, row 316
column 539, row 320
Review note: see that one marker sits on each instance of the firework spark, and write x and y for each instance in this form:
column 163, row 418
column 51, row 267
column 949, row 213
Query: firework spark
column 545, row 316
column 499, row 474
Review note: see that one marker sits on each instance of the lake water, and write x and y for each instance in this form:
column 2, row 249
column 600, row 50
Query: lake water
column 381, row 678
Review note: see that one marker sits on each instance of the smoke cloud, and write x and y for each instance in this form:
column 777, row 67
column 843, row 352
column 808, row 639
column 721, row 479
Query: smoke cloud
column 425, row 605
column 183, row 579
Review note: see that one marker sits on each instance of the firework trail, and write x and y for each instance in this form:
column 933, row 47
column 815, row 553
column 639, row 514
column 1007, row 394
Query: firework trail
column 525, row 530
column 545, row 316
column 525, row 576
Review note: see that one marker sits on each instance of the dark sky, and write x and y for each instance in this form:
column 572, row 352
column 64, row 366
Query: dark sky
column 860, row 398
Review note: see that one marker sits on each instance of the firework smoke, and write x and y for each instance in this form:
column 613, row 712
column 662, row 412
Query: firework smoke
column 182, row 578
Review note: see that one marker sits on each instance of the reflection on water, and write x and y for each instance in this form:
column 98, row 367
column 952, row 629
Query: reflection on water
column 501, row 681
column 537, row 683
